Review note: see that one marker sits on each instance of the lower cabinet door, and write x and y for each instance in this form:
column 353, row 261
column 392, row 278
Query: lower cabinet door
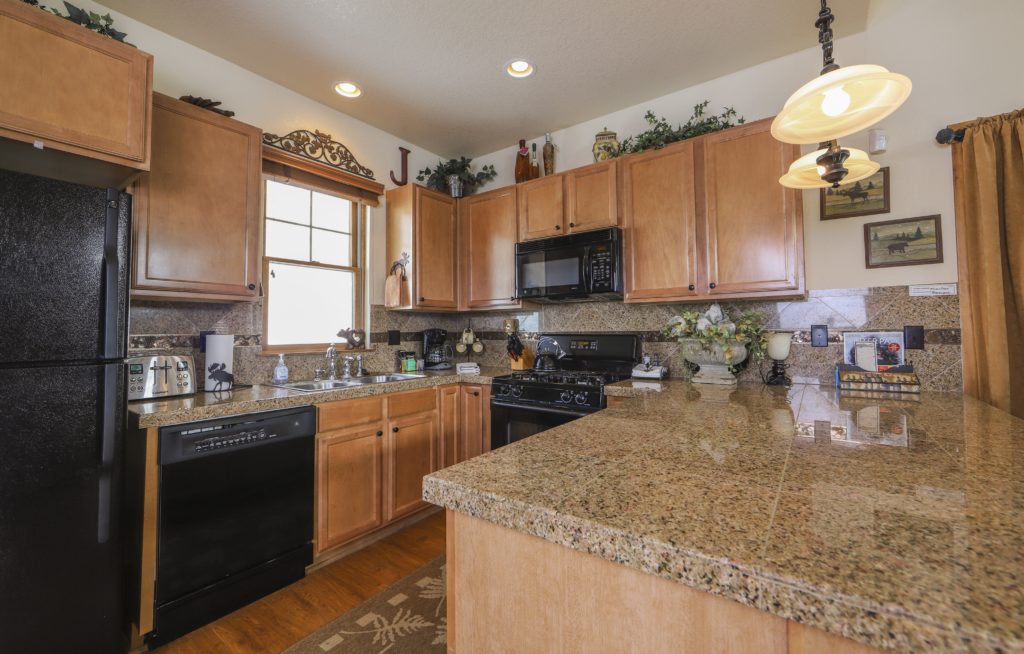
column 475, row 431
column 348, row 488
column 411, row 455
column 448, row 402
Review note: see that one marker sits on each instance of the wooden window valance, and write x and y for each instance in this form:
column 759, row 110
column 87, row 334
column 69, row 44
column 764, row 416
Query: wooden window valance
column 285, row 165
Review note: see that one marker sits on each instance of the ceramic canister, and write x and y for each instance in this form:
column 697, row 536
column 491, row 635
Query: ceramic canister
column 220, row 355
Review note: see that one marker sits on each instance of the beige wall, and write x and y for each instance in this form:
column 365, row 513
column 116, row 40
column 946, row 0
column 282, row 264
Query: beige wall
column 180, row 68
column 964, row 60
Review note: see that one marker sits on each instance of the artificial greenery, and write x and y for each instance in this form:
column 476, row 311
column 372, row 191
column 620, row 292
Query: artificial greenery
column 89, row 19
column 714, row 328
column 661, row 133
column 437, row 177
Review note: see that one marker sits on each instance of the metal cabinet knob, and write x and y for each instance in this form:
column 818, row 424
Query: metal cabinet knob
column 476, row 393
column 572, row 224
column 380, row 433
column 558, row 227
column 252, row 287
column 711, row 285
column 692, row 287
column 423, row 299
column 394, row 429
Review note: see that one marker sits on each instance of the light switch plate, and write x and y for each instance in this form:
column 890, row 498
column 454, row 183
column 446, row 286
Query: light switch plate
column 819, row 335
column 394, row 337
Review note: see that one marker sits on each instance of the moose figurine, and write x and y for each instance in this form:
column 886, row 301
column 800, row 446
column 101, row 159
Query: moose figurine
column 219, row 373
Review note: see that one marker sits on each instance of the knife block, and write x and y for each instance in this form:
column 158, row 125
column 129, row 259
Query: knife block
column 525, row 361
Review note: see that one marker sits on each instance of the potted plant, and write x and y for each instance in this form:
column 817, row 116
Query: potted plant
column 717, row 344
column 455, row 177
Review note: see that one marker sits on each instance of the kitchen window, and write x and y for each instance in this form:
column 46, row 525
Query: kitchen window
column 314, row 258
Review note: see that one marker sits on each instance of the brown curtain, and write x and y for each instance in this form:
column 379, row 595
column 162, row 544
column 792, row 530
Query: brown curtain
column 988, row 171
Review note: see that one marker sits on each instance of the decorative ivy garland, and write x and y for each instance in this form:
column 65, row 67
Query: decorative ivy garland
column 89, row 19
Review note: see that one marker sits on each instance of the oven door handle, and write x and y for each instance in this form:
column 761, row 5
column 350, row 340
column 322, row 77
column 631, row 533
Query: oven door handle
column 540, row 409
column 586, row 269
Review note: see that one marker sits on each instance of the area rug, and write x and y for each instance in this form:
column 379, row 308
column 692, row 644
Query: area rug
column 409, row 617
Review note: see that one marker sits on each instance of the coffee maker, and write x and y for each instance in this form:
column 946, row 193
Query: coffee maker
column 436, row 350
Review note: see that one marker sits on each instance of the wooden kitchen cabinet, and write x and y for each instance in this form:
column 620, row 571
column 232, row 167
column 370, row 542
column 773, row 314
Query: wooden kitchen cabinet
column 592, row 197
column 660, row 225
column 349, row 467
column 423, row 224
column 84, row 97
column 707, row 218
column 488, row 231
column 197, row 212
column 475, row 423
column 753, row 225
column 450, row 427
column 411, row 455
column 541, row 207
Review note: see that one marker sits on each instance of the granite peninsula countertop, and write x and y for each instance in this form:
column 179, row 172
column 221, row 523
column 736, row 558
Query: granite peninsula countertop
column 204, row 406
column 896, row 523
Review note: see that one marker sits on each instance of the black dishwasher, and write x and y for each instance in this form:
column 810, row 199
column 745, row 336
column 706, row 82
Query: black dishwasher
column 235, row 514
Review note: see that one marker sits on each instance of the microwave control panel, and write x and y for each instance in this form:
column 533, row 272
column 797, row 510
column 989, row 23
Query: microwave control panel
column 602, row 271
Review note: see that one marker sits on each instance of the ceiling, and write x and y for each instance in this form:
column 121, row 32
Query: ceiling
column 432, row 72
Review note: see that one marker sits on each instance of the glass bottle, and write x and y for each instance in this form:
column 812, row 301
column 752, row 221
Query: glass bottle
column 549, row 155
column 522, row 162
column 534, row 166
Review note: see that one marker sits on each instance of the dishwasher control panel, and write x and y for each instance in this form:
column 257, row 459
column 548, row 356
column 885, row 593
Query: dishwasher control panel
column 221, row 435
column 160, row 376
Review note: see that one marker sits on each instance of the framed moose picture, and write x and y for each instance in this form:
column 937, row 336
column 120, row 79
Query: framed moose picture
column 904, row 242
column 861, row 198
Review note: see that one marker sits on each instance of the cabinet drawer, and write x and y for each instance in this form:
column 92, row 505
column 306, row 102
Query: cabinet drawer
column 349, row 413
column 406, row 404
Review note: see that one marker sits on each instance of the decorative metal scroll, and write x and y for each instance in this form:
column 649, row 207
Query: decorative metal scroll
column 318, row 147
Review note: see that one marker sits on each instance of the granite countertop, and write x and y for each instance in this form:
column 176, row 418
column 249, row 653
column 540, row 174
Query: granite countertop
column 897, row 523
column 204, row 406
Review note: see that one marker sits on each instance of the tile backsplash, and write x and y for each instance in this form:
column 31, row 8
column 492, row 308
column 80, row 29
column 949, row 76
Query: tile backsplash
column 175, row 326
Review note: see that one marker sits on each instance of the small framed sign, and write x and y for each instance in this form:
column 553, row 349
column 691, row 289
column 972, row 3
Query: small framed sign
column 862, row 198
column 904, row 242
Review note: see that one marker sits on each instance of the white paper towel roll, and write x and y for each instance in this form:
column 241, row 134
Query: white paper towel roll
column 220, row 355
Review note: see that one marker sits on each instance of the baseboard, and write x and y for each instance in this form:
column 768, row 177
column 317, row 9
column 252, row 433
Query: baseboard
column 330, row 556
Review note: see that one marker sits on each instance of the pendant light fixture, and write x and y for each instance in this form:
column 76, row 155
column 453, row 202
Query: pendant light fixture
column 838, row 103
column 827, row 166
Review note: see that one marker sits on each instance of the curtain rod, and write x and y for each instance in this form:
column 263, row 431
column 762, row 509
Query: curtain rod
column 947, row 136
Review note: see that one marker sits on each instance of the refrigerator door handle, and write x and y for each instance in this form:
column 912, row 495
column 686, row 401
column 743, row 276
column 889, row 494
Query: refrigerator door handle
column 111, row 347
column 108, row 435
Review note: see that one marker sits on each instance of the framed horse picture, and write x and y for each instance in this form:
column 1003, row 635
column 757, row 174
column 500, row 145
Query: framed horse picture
column 903, row 242
column 865, row 197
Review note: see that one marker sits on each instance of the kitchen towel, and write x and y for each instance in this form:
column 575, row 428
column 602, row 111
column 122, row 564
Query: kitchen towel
column 220, row 355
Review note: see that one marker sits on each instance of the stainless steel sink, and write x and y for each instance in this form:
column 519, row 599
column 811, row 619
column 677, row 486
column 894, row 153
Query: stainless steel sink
column 383, row 379
column 328, row 385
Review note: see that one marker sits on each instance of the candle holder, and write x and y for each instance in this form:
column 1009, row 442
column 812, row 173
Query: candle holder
column 778, row 351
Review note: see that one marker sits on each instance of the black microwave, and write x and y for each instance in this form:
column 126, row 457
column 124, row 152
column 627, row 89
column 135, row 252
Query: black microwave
column 572, row 268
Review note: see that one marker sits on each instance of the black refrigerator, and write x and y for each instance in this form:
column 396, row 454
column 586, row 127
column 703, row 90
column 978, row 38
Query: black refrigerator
column 63, row 324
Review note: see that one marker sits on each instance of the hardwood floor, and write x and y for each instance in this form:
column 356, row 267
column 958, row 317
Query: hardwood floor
column 271, row 624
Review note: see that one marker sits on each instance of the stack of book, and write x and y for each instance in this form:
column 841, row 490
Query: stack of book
column 857, row 381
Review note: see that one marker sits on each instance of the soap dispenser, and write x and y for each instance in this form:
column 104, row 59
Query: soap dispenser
column 280, row 371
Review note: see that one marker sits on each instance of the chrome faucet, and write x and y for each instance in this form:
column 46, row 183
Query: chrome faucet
column 359, row 366
column 332, row 362
column 346, row 368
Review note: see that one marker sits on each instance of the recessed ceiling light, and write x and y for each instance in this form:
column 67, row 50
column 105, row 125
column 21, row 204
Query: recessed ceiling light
column 519, row 68
column 348, row 89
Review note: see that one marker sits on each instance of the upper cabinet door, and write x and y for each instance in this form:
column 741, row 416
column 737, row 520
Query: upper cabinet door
column 72, row 89
column 197, row 213
column 541, row 208
column 434, row 237
column 591, row 197
column 487, row 240
column 659, row 225
column 753, row 224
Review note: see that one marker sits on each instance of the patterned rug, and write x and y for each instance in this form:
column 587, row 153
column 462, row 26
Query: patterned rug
column 410, row 617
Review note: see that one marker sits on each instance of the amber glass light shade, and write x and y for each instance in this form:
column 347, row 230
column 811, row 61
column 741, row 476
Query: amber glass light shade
column 840, row 103
column 806, row 173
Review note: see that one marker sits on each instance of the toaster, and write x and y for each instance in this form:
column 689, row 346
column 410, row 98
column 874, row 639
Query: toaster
column 160, row 376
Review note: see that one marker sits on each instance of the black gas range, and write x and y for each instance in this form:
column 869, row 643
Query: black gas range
column 567, row 383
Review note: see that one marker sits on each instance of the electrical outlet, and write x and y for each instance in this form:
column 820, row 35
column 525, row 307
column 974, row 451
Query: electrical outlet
column 913, row 337
column 819, row 335
column 394, row 337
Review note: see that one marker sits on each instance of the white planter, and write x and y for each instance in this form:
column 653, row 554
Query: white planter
column 714, row 361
